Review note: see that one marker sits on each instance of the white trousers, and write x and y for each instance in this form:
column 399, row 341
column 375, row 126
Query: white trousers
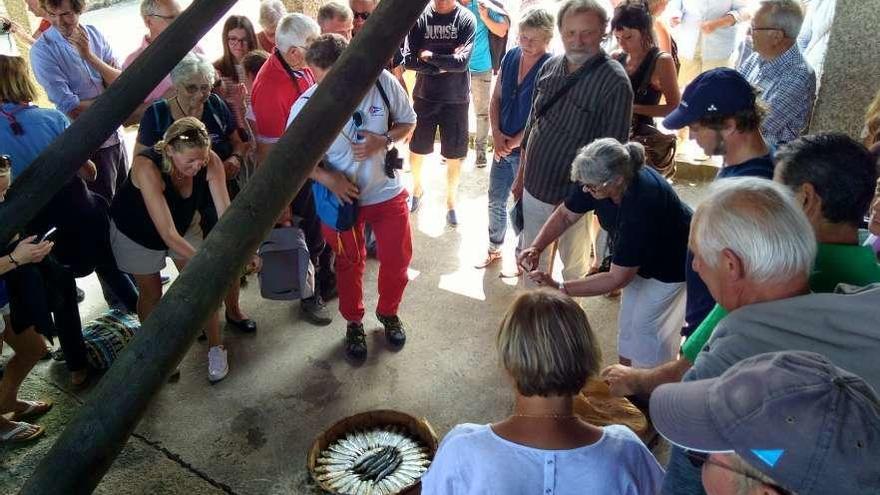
column 651, row 315
column 573, row 246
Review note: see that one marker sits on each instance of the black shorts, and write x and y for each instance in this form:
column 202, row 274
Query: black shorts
column 452, row 118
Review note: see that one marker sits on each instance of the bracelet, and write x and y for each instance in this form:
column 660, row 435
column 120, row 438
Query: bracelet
column 16, row 263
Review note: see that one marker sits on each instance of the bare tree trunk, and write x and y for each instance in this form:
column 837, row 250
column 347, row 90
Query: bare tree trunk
column 92, row 440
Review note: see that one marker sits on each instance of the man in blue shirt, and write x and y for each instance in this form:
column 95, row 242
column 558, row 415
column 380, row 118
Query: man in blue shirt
column 492, row 19
column 778, row 68
column 74, row 64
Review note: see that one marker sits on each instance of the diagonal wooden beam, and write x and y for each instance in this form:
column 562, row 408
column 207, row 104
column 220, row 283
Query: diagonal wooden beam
column 87, row 447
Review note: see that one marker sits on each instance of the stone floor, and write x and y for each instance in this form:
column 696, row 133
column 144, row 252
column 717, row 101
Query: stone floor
column 250, row 433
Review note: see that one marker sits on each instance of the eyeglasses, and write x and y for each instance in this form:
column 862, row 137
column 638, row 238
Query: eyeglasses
column 165, row 17
column 362, row 15
column 699, row 459
column 594, row 188
column 236, row 41
column 197, row 88
column 752, row 29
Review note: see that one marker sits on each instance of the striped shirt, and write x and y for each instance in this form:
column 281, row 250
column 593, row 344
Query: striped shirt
column 598, row 105
column 788, row 86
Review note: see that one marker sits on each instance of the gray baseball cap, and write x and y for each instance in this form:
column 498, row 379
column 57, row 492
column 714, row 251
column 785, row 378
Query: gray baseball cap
column 807, row 424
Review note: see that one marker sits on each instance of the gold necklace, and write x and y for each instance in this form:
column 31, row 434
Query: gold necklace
column 544, row 416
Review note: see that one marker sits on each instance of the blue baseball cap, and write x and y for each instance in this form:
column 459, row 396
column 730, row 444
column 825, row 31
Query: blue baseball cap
column 810, row 426
column 720, row 91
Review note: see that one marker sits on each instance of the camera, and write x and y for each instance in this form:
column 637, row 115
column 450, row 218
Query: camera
column 392, row 162
column 5, row 26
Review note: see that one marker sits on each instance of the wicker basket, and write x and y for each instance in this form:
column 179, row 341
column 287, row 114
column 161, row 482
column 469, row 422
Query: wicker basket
column 419, row 428
column 597, row 406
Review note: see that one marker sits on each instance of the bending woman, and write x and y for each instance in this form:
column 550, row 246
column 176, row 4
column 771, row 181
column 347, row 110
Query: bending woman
column 157, row 213
column 648, row 228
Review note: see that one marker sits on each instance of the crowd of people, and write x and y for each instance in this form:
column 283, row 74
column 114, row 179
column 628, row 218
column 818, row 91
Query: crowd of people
column 747, row 325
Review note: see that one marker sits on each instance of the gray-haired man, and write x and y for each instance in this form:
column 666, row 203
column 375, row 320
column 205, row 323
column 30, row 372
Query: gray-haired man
column 776, row 423
column 754, row 247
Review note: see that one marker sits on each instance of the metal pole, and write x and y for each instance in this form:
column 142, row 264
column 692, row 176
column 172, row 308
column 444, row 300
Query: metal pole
column 60, row 161
column 87, row 447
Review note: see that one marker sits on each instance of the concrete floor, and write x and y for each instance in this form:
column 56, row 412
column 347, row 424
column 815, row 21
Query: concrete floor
column 250, row 433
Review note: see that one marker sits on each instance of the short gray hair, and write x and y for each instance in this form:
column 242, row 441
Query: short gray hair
column 749, row 477
column 758, row 220
column 538, row 18
column 579, row 6
column 334, row 10
column 295, row 30
column 606, row 159
column 191, row 65
column 786, row 15
column 271, row 11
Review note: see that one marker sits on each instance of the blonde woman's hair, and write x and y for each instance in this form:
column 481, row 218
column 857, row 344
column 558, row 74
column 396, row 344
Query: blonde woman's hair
column 546, row 344
column 183, row 134
column 872, row 122
column 15, row 82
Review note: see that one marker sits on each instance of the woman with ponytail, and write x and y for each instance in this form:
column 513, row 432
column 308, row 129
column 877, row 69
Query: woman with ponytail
column 158, row 211
column 648, row 227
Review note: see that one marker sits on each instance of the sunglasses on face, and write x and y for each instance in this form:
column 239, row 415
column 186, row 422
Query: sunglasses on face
column 197, row 88
column 362, row 15
column 164, row 17
column 700, row 459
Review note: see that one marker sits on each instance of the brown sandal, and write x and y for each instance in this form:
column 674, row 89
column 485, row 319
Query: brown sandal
column 491, row 258
column 34, row 408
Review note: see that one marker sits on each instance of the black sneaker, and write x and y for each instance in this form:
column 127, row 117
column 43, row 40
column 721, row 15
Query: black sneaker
column 355, row 341
column 481, row 160
column 395, row 332
column 314, row 311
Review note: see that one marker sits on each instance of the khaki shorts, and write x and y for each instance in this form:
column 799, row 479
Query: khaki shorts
column 135, row 259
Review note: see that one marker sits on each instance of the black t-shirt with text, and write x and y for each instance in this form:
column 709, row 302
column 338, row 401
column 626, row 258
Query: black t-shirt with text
column 444, row 77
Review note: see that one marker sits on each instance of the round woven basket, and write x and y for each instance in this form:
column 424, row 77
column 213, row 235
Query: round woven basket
column 418, row 428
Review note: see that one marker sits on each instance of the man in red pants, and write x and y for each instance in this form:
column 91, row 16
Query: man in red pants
column 383, row 117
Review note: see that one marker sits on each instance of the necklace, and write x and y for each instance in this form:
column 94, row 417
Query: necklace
column 544, row 416
column 182, row 111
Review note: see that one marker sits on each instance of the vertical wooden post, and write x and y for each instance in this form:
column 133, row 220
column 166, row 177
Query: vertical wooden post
column 92, row 440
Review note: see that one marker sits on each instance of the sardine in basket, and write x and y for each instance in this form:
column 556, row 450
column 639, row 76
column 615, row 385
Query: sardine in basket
column 418, row 428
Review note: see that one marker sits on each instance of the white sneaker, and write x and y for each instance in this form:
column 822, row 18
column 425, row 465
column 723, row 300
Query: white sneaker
column 218, row 368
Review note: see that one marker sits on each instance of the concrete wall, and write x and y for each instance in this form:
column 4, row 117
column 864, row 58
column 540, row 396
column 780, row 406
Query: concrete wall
column 852, row 71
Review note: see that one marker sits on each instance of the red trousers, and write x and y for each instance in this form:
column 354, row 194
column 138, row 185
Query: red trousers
column 390, row 223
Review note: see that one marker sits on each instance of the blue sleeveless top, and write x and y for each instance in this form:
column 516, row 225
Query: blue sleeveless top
column 516, row 100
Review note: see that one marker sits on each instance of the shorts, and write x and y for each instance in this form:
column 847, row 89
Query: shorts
column 451, row 118
column 136, row 259
column 4, row 311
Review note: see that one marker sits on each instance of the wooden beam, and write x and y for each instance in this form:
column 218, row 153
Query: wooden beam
column 92, row 440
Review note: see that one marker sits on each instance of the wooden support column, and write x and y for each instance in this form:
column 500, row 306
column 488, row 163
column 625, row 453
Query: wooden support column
column 92, row 440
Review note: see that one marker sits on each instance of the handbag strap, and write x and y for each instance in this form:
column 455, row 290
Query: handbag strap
column 387, row 102
column 569, row 83
column 646, row 78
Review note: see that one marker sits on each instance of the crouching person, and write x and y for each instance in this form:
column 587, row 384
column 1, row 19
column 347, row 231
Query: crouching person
column 157, row 214
column 355, row 172
column 546, row 346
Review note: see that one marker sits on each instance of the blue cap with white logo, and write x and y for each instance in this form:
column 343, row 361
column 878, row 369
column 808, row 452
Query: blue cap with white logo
column 718, row 91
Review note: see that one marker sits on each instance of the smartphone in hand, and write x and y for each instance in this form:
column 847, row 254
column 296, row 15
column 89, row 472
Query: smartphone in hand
column 46, row 236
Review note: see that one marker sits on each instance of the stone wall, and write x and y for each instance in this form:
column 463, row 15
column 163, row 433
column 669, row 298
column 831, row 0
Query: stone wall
column 851, row 76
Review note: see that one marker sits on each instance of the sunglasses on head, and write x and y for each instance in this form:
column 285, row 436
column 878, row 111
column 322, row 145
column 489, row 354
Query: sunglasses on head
column 193, row 135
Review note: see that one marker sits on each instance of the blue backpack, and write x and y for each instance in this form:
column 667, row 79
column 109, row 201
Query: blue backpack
column 332, row 212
